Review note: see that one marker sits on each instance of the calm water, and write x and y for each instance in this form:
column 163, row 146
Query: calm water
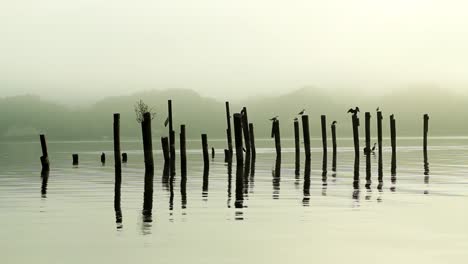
column 416, row 219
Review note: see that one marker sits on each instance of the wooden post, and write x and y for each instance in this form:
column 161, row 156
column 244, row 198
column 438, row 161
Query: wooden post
column 379, row 143
column 212, row 153
column 306, row 189
column 124, row 157
column 297, row 147
column 393, row 142
column 75, row 158
column 239, row 202
column 252, row 141
column 206, row 160
column 306, row 134
column 277, row 136
column 165, row 149
column 226, row 155
column 238, row 138
column 103, row 158
column 183, row 152
column 245, row 129
column 368, row 148
column 149, row 167
column 228, row 130
column 45, row 154
column 333, row 131
column 425, row 132
column 118, row 169
column 356, row 148
column 171, row 138
column 323, row 120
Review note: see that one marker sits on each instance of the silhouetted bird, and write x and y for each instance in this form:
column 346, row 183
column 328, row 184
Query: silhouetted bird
column 274, row 118
column 295, row 119
column 378, row 109
column 301, row 112
column 334, row 123
column 371, row 151
column 243, row 149
column 354, row 111
column 166, row 122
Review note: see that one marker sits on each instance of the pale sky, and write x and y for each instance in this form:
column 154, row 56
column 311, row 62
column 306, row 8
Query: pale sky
column 82, row 49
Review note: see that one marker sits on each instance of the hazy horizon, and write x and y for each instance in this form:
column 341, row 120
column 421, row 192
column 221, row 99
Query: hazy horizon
column 82, row 51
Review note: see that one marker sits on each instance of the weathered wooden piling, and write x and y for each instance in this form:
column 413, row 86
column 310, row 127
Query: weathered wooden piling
column 45, row 154
column 206, row 160
column 276, row 134
column 355, row 121
column 239, row 202
column 333, row 131
column 165, row 150
column 238, row 138
column 213, row 153
column 103, row 158
column 124, row 157
column 368, row 148
column 227, row 155
column 75, row 159
column 252, row 141
column 306, row 135
column 45, row 179
column 393, row 143
column 379, row 143
column 149, row 167
column 183, row 152
column 228, row 131
column 118, row 169
column 171, row 138
column 425, row 132
column 245, row 131
column 323, row 120
column 147, row 142
column 297, row 147
column 306, row 188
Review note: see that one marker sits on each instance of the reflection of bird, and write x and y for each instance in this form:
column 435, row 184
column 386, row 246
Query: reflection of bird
column 274, row 118
column 354, row 111
column 334, row 123
column 371, row 151
column 301, row 112
column 166, row 122
column 378, row 109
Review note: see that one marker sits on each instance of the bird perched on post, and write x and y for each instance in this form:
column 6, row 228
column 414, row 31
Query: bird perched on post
column 301, row 112
column 370, row 151
column 334, row 123
column 274, row 118
column 378, row 109
column 354, row 111
column 296, row 119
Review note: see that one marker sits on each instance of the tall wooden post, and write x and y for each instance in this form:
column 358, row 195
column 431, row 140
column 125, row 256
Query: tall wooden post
column 183, row 152
column 368, row 148
column 306, row 135
column 118, row 169
column 297, row 147
column 228, row 130
column 393, row 142
column 277, row 135
column 379, row 143
column 245, row 129
column 238, row 138
column 149, row 167
column 171, row 138
column 165, row 150
column 356, row 148
column 425, row 132
column 206, row 159
column 45, row 154
column 333, row 131
column 323, row 120
column 252, row 141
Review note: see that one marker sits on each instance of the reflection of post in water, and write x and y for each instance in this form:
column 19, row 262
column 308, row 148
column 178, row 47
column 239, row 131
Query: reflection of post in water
column 229, row 186
column 206, row 172
column 393, row 143
column 246, row 173
column 368, row 150
column 118, row 171
column 171, row 192
column 276, row 178
column 183, row 190
column 165, row 175
column 324, row 155
column 356, row 193
column 239, row 203
column 45, row 179
column 306, row 199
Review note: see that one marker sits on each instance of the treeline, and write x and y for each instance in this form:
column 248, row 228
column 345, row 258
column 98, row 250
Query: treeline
column 24, row 117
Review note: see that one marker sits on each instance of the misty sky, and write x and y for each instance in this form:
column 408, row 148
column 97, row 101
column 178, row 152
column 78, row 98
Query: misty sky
column 87, row 49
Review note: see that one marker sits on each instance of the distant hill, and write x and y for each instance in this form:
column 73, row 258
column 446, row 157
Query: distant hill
column 27, row 116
